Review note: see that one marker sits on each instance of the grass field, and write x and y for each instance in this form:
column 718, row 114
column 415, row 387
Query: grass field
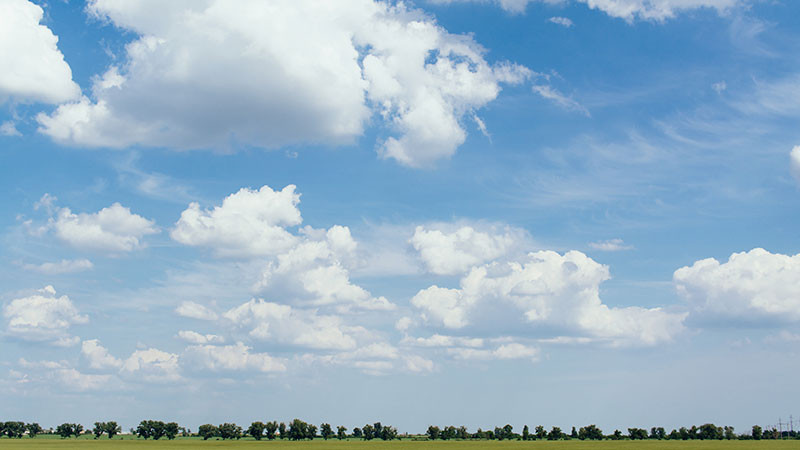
column 124, row 444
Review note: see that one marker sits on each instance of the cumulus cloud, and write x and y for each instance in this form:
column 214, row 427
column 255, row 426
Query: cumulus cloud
column 447, row 250
column 281, row 73
column 286, row 325
column 61, row 267
column 795, row 163
column 43, row 317
column 194, row 337
column 610, row 245
column 113, row 229
column 751, row 286
column 548, row 291
column 195, row 311
column 8, row 128
column 151, row 365
column 248, row 223
column 629, row 10
column 98, row 356
column 230, row 357
column 33, row 67
column 309, row 266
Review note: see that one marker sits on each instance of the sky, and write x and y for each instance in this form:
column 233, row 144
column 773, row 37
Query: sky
column 542, row 212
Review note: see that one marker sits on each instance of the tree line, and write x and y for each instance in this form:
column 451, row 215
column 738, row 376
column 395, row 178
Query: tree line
column 300, row 430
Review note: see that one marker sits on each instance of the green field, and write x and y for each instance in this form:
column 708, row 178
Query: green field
column 50, row 443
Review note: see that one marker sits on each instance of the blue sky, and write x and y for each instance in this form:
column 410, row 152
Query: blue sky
column 450, row 212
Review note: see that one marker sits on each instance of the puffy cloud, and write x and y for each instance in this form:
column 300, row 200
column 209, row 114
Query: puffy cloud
column 625, row 9
column 447, row 250
column 43, row 317
column 63, row 266
column 98, row 356
column 249, row 223
column 112, row 229
column 795, row 162
column 74, row 380
column 610, row 245
column 284, row 324
column 438, row 340
column 33, row 67
column 511, row 350
column 750, row 286
column 205, row 74
column 194, row 337
column 8, row 128
column 309, row 267
column 151, row 365
column 195, row 311
column 231, row 357
column 547, row 291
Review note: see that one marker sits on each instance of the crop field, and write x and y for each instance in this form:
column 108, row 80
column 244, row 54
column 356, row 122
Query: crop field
column 43, row 443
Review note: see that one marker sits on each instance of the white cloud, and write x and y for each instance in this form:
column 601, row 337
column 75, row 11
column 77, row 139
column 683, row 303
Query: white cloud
column 249, row 223
column 284, row 324
column 8, row 128
column 43, row 317
column 112, row 229
column 33, row 67
column 195, row 311
column 63, row 266
column 720, row 87
column 610, row 245
column 563, row 21
column 447, row 250
column 438, row 340
column 750, row 286
column 74, row 380
column 625, row 9
column 205, row 75
column 417, row 364
column 795, row 162
column 548, row 291
column 151, row 365
column 194, row 337
column 230, row 357
column 98, row 356
column 511, row 350
column 565, row 102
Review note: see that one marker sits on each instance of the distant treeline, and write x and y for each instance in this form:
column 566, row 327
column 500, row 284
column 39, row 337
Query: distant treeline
column 300, row 430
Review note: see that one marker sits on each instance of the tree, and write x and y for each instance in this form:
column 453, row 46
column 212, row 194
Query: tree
column 574, row 433
column 368, row 431
column 357, row 432
column 388, row 433
column 462, row 433
column 14, row 429
column 99, row 429
column 112, row 429
column 33, row 429
column 230, row 431
column 709, row 431
column 325, row 431
column 729, row 433
column 526, row 433
column 540, row 432
column 171, row 430
column 590, row 432
column 282, row 430
column 658, row 433
column 757, row 433
column 77, row 429
column 433, row 432
column 207, row 431
column 555, row 434
column 64, row 430
column 616, row 436
column 377, row 428
column 297, row 430
column 637, row 433
column 271, row 428
column 256, row 430
column 341, row 432
column 311, row 431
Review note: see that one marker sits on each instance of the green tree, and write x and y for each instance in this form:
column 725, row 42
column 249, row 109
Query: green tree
column 555, row 434
column 757, row 432
column 33, row 429
column 590, row 432
column 637, row 433
column 207, row 431
column 171, row 430
column 574, row 433
column 282, row 430
column 230, row 431
column 112, row 429
column 729, row 433
column 325, row 431
column 298, row 430
column 616, row 436
column 357, row 432
column 462, row 433
column 341, row 432
column 64, row 430
column 271, row 428
column 388, row 433
column 526, row 433
column 433, row 432
column 311, row 431
column 256, row 430
column 540, row 432
column 368, row 432
column 14, row 429
column 99, row 429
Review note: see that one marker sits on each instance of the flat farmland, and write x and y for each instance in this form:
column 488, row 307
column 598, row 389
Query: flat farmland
column 189, row 443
